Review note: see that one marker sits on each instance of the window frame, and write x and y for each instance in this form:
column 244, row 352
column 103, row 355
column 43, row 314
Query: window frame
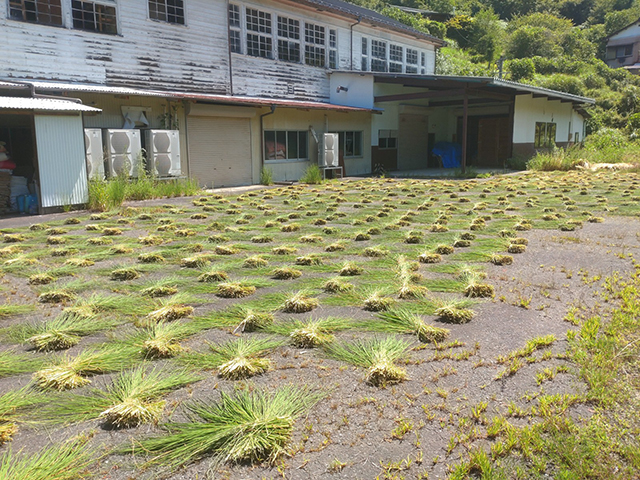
column 96, row 15
column 379, row 55
column 385, row 137
column 364, row 55
column 410, row 53
column 166, row 20
column 13, row 7
column 396, row 58
column 236, row 45
column 254, row 47
column 287, row 138
column 315, row 49
column 342, row 143
column 288, row 39
column 545, row 134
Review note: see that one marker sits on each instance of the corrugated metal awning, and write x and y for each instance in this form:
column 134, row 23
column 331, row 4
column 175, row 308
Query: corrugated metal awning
column 203, row 97
column 43, row 104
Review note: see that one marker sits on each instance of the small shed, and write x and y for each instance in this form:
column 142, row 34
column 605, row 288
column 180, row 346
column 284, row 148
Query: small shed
column 44, row 142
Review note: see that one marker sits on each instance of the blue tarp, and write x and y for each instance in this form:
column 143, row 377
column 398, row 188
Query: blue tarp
column 450, row 153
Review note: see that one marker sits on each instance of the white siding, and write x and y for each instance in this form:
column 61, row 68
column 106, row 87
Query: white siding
column 529, row 110
column 61, row 162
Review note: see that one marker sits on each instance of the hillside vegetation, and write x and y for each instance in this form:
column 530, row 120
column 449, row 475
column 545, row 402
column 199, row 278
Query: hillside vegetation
column 558, row 45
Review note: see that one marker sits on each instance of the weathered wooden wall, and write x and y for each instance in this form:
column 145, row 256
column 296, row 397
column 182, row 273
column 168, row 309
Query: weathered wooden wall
column 193, row 57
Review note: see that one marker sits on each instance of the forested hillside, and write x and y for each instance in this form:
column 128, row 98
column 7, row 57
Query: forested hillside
column 557, row 44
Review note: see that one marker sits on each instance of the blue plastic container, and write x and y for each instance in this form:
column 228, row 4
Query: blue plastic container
column 21, row 200
column 32, row 204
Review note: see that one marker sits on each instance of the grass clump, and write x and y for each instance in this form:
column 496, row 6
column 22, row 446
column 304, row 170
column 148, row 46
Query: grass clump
column 453, row 313
column 309, row 260
column 65, row 461
column 501, row 259
column 131, row 400
column 444, row 249
column 162, row 339
column 255, row 261
column 284, row 250
column 14, row 405
column 12, row 363
column 234, row 290
column 404, row 321
column 198, row 261
column 151, row 257
column 377, row 355
column 429, row 258
column 237, row 359
column 286, row 273
column 124, row 274
column 56, row 296
column 337, row 285
column 224, row 250
column 253, row 321
column 350, row 269
column 375, row 252
column 213, row 276
column 64, row 331
column 377, row 302
column 247, row 426
column 313, row 333
column 171, row 309
column 312, row 175
column 299, row 302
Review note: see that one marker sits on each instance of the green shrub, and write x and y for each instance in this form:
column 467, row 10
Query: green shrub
column 312, row 176
column 266, row 176
column 521, row 69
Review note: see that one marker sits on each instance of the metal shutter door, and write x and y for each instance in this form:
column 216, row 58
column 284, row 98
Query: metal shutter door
column 220, row 151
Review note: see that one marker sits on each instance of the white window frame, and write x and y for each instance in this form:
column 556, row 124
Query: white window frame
column 342, row 142
column 332, row 44
column 411, row 67
column 275, row 132
column 237, row 29
column 261, row 35
column 383, row 60
column 184, row 13
column 113, row 5
column 365, row 48
column 313, row 48
column 396, row 65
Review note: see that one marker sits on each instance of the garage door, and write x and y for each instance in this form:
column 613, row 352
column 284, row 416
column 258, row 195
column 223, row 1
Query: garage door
column 220, row 151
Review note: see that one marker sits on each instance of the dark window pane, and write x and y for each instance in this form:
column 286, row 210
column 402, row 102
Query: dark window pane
column 292, row 145
column 281, row 145
column 303, row 145
column 270, row 145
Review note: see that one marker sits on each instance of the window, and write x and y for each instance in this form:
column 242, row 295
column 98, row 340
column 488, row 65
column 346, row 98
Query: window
column 259, row 33
column 314, row 50
column 423, row 63
column 46, row 12
column 171, row 11
column 387, row 139
column 94, row 17
column 288, row 40
column 235, row 25
column 412, row 61
column 365, row 55
column 333, row 49
column 624, row 51
column 350, row 144
column 286, row 145
column 545, row 135
column 378, row 56
column 577, row 137
column 395, row 58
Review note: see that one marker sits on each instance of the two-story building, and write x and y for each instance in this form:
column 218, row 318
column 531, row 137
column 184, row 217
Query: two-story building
column 623, row 48
column 247, row 85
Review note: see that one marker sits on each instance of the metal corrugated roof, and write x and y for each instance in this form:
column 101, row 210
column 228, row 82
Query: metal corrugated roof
column 357, row 12
column 213, row 98
column 487, row 82
column 43, row 104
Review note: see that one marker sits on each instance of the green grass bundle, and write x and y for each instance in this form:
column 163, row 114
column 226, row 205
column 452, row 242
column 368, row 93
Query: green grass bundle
column 408, row 290
column 111, row 232
column 262, row 239
column 224, row 250
column 377, row 302
column 234, row 290
column 595, row 219
column 362, row 237
column 72, row 372
column 236, row 359
column 404, row 321
column 516, row 248
column 375, row 252
column 151, row 257
column 337, row 285
column 286, row 273
column 14, row 406
column 248, row 426
column 460, row 243
column 100, row 241
column 299, row 302
column 429, row 258
column 291, row 227
column 335, row 247
column 198, row 261
column 184, row 232
column 12, row 363
column 444, row 249
column 350, row 269
column 100, row 303
column 199, row 216
column 124, row 274
column 213, row 276
column 120, row 250
column 151, row 240
column 467, row 236
column 377, row 355
column 172, row 308
column 65, row 461
column 438, row 228
column 519, row 241
column 56, row 296
column 501, row 259
column 255, row 261
column 311, row 239
column 161, row 289
column 64, row 331
column 284, row 250
column 312, row 333
column 454, row 314
column 10, row 250
column 309, row 260
column 253, row 320
column 13, row 238
column 132, row 399
column 162, row 339
column 479, row 290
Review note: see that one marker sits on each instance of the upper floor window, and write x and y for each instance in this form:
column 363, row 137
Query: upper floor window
column 259, row 33
column 235, row 29
column 94, row 17
column 423, row 62
column 315, row 46
column 365, row 55
column 46, row 12
column 378, row 56
column 171, row 11
column 412, row 61
column 395, row 58
column 333, row 49
column 288, row 40
column 621, row 51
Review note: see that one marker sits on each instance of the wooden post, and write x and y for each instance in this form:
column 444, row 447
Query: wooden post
column 465, row 119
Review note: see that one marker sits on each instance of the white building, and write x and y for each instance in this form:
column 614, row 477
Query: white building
column 250, row 84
